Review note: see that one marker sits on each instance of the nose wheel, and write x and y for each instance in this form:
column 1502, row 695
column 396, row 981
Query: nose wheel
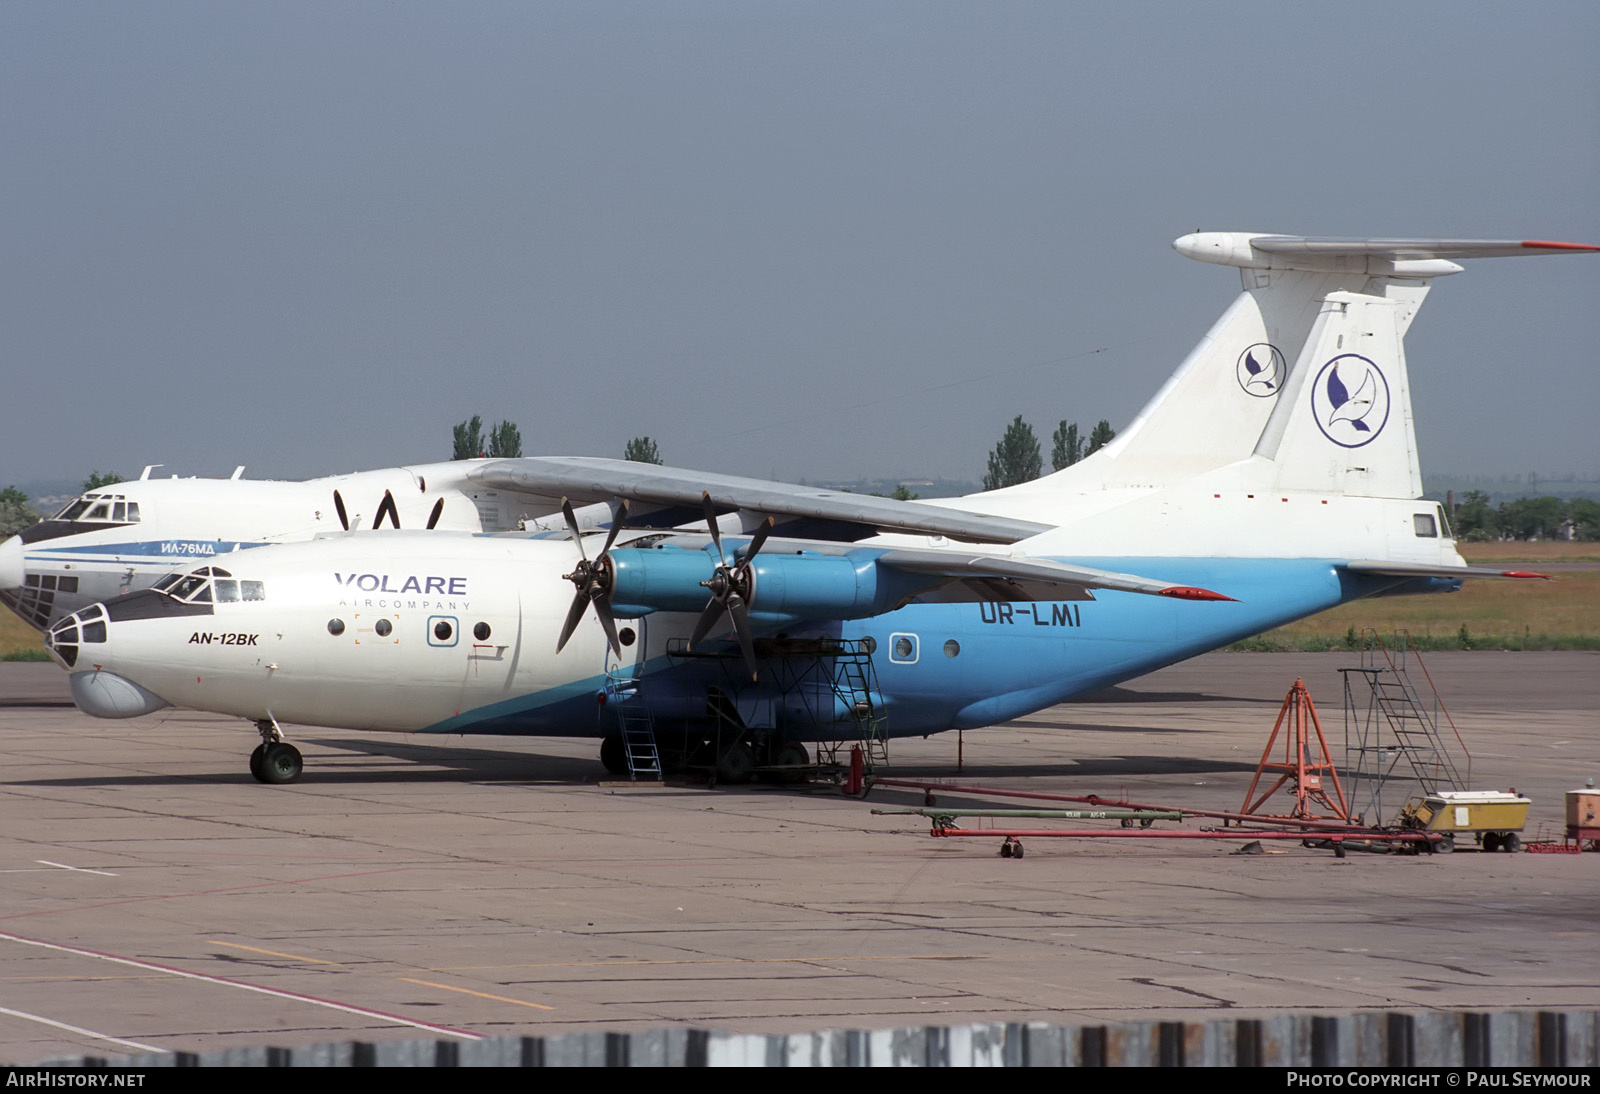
column 275, row 761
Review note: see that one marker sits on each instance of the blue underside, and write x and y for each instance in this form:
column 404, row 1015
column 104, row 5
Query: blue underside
column 1013, row 659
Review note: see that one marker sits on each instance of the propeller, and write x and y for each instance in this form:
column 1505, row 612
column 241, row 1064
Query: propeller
column 593, row 580
column 731, row 585
column 388, row 508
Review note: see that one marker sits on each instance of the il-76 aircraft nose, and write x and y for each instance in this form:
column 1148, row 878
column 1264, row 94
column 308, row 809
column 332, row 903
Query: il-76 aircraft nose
column 11, row 564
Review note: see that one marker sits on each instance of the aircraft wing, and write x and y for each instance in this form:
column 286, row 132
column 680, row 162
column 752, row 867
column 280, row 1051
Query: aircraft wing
column 1417, row 569
column 678, row 492
column 958, row 565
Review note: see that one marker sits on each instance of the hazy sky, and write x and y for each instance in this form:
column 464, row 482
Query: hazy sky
column 801, row 239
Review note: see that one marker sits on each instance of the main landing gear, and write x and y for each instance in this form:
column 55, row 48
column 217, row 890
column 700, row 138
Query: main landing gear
column 274, row 760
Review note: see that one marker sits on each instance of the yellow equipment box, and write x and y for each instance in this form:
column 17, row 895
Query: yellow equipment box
column 1492, row 816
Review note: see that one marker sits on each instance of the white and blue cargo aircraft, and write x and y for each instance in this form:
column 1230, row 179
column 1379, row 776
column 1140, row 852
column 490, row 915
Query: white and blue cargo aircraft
column 1275, row 475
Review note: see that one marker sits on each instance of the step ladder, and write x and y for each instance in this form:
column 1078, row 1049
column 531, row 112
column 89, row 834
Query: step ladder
column 855, row 683
column 635, row 724
column 1397, row 728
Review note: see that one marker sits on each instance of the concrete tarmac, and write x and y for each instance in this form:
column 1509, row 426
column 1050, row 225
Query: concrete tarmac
column 153, row 896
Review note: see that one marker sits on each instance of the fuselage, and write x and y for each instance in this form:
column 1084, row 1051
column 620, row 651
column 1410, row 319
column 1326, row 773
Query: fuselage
column 457, row 633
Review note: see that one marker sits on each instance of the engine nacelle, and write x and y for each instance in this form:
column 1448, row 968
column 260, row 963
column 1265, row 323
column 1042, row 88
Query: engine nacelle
column 783, row 586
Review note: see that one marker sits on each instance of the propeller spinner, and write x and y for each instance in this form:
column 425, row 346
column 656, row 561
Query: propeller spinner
column 732, row 585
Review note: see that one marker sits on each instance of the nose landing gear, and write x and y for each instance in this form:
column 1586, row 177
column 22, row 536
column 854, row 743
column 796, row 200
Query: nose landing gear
column 275, row 760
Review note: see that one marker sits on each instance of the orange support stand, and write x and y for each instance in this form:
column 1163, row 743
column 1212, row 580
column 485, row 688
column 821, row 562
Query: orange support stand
column 1298, row 769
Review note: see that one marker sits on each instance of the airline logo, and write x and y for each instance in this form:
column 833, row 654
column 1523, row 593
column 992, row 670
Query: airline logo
column 1260, row 370
column 1350, row 400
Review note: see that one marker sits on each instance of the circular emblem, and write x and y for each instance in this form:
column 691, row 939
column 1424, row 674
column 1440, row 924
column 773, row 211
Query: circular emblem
column 1260, row 370
column 1350, row 400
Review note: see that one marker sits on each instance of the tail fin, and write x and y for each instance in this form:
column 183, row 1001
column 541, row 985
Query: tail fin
column 1306, row 368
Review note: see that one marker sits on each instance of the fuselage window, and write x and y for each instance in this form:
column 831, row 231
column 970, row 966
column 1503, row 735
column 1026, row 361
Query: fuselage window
column 336, row 627
column 383, row 627
column 1426, row 528
column 253, row 590
column 952, row 648
column 442, row 631
column 481, row 632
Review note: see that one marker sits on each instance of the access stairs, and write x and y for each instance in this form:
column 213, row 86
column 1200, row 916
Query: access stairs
column 1399, row 737
column 635, row 724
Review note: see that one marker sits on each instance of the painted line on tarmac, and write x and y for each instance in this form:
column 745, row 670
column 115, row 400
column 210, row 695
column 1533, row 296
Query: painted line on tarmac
column 269, row 953
column 365, row 1012
column 479, row 994
column 79, row 1030
column 74, row 869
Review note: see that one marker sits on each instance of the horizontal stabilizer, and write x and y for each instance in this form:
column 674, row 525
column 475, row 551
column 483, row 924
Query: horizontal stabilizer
column 1410, row 569
column 1402, row 257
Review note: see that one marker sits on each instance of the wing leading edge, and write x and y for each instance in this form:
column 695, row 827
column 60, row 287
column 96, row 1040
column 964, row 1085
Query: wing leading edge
column 587, row 480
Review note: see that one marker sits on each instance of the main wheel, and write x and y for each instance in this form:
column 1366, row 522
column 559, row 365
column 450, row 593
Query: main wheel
column 614, row 755
column 281, row 763
column 791, row 754
column 256, row 758
column 737, row 764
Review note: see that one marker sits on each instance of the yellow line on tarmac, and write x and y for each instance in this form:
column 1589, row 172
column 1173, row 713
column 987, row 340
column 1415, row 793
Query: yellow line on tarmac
column 269, row 953
column 479, row 994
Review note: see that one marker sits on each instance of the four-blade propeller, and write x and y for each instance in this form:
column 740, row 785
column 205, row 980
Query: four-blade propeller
column 593, row 580
column 732, row 585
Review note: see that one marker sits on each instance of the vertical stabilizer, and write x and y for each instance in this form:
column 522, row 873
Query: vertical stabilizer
column 1343, row 424
column 1211, row 411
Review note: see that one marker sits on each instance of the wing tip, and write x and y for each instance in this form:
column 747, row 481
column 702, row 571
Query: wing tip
column 1553, row 245
column 1194, row 592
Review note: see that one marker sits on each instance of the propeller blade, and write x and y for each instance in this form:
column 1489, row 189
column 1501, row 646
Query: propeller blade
column 433, row 517
column 572, row 525
column 711, row 522
column 574, row 614
column 707, row 620
column 741, row 629
column 758, row 540
column 387, row 506
column 338, row 507
column 617, row 523
column 602, row 608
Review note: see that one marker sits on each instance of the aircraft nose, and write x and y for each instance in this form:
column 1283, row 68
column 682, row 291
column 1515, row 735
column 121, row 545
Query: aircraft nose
column 11, row 564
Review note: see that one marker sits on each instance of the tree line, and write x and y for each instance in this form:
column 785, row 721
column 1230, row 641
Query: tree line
column 1477, row 521
column 1017, row 458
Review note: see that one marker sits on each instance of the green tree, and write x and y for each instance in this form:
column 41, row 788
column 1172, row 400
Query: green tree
column 642, row 450
column 1015, row 459
column 1100, row 437
column 505, row 441
column 15, row 512
column 1585, row 516
column 1532, row 518
column 1474, row 520
column 903, row 493
column 97, row 479
column 469, row 439
column 1066, row 446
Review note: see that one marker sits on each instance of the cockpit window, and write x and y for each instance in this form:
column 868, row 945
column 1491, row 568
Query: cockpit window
column 109, row 508
column 1424, row 525
column 207, row 583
